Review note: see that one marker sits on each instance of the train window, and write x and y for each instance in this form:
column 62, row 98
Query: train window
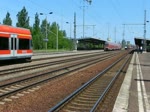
column 4, row 43
column 24, row 44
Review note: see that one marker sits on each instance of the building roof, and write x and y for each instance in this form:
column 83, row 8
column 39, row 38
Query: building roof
column 139, row 40
column 90, row 39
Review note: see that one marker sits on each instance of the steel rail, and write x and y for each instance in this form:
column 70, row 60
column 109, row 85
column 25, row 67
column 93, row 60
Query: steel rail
column 61, row 103
column 109, row 86
column 20, row 69
column 44, row 80
column 52, row 57
column 59, row 69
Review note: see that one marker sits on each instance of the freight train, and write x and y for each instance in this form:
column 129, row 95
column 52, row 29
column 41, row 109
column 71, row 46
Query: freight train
column 109, row 46
column 15, row 43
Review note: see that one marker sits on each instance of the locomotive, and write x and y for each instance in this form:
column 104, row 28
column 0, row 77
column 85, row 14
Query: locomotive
column 109, row 46
column 15, row 43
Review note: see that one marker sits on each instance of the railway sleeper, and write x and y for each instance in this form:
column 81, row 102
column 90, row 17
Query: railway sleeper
column 78, row 109
column 84, row 101
column 90, row 96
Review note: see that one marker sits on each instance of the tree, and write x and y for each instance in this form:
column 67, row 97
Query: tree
column 23, row 19
column 53, row 34
column 36, row 24
column 36, row 33
column 43, row 32
column 39, row 31
column 7, row 20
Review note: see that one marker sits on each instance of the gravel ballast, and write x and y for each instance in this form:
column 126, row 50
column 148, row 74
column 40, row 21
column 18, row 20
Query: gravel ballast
column 49, row 94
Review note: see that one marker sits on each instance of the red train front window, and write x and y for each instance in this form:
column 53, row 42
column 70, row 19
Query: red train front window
column 4, row 43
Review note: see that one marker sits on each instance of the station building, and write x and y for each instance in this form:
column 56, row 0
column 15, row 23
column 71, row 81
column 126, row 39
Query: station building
column 89, row 43
column 140, row 42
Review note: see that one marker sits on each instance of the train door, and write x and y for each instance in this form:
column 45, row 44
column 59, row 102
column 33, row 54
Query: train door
column 13, row 45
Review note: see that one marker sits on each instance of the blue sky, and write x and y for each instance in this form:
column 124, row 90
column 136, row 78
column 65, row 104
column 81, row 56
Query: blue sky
column 104, row 15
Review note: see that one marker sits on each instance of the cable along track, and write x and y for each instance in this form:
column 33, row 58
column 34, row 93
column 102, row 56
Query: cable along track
column 88, row 96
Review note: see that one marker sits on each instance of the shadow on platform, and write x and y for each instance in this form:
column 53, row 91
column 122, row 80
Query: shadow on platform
column 142, row 80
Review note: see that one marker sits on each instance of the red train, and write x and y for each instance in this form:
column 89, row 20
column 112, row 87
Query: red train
column 15, row 43
column 109, row 46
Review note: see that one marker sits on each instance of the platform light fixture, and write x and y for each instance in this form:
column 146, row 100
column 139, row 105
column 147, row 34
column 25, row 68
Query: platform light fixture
column 46, row 39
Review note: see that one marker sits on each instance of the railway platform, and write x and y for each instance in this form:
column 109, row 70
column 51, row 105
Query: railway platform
column 134, row 95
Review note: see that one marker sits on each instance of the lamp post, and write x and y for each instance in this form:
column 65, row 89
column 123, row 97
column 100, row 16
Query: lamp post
column 56, row 34
column 57, row 38
column 145, row 21
column 46, row 39
column 70, row 29
column 89, row 1
column 70, row 34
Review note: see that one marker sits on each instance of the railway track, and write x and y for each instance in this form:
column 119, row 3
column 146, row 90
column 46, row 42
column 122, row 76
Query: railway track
column 48, row 56
column 11, row 88
column 51, row 63
column 65, row 55
column 89, row 96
